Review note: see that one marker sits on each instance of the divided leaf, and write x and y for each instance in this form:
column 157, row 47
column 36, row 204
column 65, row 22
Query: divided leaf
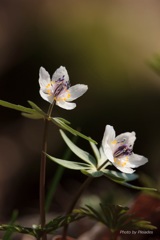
column 37, row 231
column 118, row 176
column 85, row 156
column 95, row 150
column 69, row 164
column 115, row 217
column 136, row 187
column 35, row 112
column 62, row 124
column 16, row 107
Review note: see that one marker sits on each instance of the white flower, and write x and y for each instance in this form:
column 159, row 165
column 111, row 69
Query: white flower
column 119, row 150
column 58, row 88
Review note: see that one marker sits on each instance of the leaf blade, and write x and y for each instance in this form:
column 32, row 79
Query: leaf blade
column 68, row 164
column 136, row 187
column 37, row 109
column 16, row 107
column 64, row 126
column 85, row 156
column 119, row 175
column 95, row 150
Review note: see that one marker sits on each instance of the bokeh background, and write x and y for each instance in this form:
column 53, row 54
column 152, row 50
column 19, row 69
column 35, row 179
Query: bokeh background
column 105, row 44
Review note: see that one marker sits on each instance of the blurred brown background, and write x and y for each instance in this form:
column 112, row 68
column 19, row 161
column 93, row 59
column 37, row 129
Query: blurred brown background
column 104, row 44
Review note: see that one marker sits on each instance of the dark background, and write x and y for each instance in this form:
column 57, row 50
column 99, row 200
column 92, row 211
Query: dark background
column 104, row 44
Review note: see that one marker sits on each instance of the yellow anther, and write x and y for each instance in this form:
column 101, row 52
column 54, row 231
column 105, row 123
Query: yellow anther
column 64, row 98
column 68, row 95
column 121, row 163
column 49, row 92
column 48, row 85
column 114, row 141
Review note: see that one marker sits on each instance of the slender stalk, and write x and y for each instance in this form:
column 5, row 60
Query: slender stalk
column 102, row 165
column 43, row 171
column 73, row 203
column 76, row 197
column 42, row 178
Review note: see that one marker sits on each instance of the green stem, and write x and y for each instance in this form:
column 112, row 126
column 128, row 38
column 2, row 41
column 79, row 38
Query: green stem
column 43, row 171
column 101, row 166
column 42, row 178
column 76, row 197
column 73, row 203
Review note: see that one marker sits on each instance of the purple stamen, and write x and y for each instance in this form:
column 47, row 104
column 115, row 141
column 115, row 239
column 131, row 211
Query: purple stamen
column 60, row 79
column 59, row 89
column 61, row 85
column 123, row 150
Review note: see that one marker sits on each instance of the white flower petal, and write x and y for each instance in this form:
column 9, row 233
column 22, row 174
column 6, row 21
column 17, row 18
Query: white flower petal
column 124, row 169
column 45, row 96
column 129, row 136
column 103, row 156
column 108, row 152
column 136, row 160
column 44, row 78
column 109, row 135
column 60, row 73
column 76, row 91
column 66, row 105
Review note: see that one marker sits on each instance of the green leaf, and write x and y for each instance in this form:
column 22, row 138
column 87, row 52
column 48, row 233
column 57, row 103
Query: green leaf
column 63, row 120
column 112, row 175
column 128, row 177
column 92, row 212
column 64, row 126
column 61, row 221
column 112, row 214
column 20, row 229
column 142, row 224
column 119, row 176
column 85, row 156
column 92, row 173
column 69, row 164
column 16, row 107
column 8, row 233
column 115, row 217
column 135, row 187
column 37, row 109
column 37, row 231
column 95, row 150
column 35, row 115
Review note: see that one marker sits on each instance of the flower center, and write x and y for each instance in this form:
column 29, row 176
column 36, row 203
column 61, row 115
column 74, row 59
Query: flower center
column 59, row 88
column 123, row 150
